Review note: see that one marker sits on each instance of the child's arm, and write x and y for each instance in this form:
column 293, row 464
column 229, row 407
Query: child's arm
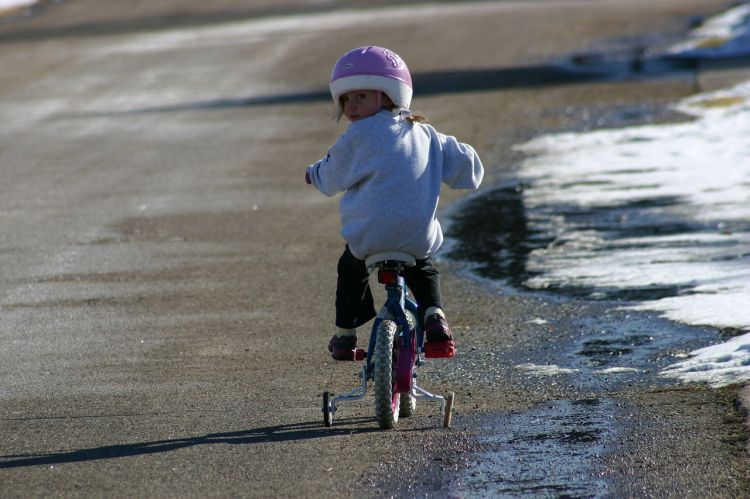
column 338, row 171
column 327, row 174
column 462, row 168
column 312, row 172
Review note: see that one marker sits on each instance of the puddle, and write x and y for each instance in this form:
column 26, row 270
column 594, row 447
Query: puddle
column 493, row 233
column 497, row 233
column 557, row 448
column 630, row 62
column 551, row 450
column 631, row 341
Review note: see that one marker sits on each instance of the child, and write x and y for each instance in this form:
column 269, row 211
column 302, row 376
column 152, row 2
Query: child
column 390, row 165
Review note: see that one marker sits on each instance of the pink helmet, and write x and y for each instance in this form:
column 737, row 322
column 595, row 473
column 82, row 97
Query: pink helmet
column 372, row 68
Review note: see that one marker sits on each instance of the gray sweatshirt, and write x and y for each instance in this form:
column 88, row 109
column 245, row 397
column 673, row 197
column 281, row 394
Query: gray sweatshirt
column 390, row 171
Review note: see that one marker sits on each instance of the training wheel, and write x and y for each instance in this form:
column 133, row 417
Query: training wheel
column 327, row 415
column 449, row 399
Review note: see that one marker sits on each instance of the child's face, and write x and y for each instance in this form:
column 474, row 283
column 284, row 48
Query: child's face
column 359, row 104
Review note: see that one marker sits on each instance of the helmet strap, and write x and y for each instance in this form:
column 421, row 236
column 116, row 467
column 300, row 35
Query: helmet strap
column 378, row 101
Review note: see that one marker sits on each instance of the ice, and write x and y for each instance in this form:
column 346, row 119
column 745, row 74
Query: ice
column 717, row 365
column 725, row 35
column 546, row 370
column 660, row 207
column 617, row 370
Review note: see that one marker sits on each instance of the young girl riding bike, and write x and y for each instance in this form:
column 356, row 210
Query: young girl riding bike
column 390, row 164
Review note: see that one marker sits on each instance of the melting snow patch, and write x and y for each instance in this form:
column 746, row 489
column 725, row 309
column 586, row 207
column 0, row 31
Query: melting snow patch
column 617, row 370
column 550, row 370
column 15, row 4
column 538, row 320
column 717, row 365
column 659, row 213
column 727, row 34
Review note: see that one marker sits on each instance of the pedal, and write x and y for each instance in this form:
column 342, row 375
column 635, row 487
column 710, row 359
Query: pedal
column 439, row 349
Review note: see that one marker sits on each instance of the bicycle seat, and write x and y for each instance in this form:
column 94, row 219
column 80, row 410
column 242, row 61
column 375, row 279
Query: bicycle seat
column 407, row 259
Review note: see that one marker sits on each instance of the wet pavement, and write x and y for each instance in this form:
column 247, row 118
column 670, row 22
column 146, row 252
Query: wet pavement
column 583, row 374
column 551, row 450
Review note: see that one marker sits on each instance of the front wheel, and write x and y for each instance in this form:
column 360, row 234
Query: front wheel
column 387, row 399
column 408, row 402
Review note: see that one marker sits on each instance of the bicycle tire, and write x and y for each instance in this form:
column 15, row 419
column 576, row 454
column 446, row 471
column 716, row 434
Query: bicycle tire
column 387, row 400
column 408, row 405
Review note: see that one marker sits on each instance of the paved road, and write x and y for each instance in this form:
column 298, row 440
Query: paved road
column 167, row 277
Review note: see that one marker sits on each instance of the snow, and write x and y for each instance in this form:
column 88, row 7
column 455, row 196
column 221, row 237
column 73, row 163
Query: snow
column 617, row 370
column 555, row 370
column 538, row 321
column 717, row 365
column 695, row 175
column 546, row 370
column 725, row 35
column 15, row 4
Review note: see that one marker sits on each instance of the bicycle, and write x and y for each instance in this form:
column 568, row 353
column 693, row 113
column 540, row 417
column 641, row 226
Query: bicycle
column 393, row 353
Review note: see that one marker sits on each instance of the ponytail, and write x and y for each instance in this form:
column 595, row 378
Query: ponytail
column 416, row 118
column 406, row 114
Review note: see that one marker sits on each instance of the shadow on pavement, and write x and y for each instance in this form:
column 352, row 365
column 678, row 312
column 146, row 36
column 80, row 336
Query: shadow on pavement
column 426, row 84
column 431, row 83
column 269, row 434
column 580, row 68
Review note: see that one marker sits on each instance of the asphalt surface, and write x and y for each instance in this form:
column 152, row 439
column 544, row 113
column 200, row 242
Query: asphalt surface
column 167, row 277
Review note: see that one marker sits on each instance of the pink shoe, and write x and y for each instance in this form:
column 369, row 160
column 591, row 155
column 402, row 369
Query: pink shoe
column 439, row 342
column 343, row 348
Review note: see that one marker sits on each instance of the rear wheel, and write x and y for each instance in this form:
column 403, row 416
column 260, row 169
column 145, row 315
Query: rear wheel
column 387, row 400
column 407, row 406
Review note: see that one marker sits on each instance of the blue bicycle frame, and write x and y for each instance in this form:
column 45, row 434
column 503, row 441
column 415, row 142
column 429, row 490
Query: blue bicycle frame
column 396, row 303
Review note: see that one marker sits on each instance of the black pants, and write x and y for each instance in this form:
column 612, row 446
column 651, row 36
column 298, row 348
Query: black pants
column 354, row 302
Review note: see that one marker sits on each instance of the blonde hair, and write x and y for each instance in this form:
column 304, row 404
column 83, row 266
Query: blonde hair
column 416, row 118
column 389, row 105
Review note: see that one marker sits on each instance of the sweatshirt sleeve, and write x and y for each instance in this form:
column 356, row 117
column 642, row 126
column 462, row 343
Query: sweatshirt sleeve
column 337, row 171
column 462, row 168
